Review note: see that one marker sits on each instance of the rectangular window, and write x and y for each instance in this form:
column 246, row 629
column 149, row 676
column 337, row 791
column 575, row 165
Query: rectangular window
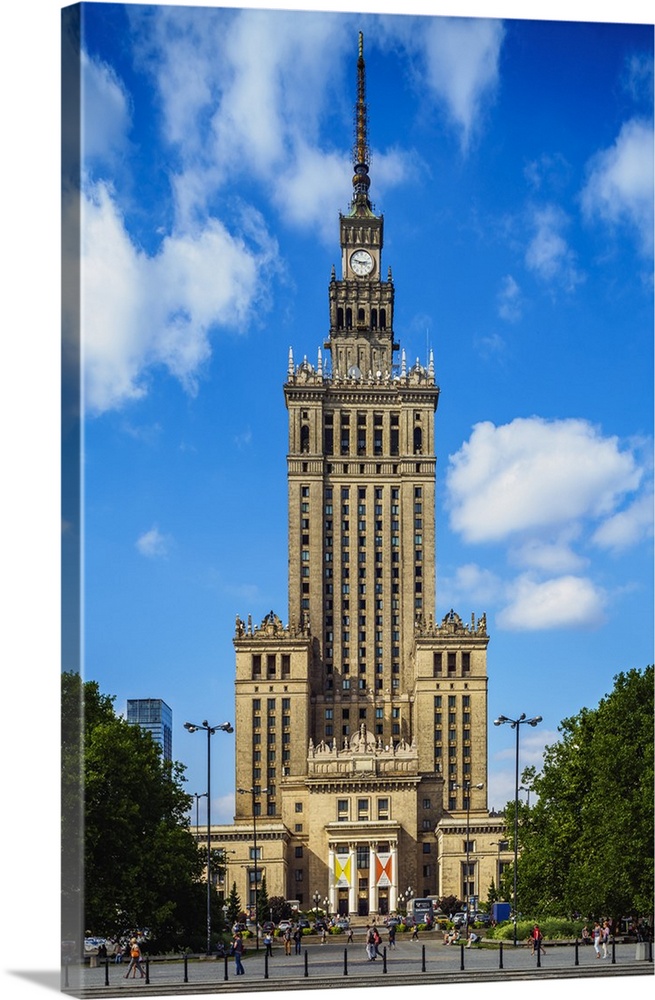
column 383, row 808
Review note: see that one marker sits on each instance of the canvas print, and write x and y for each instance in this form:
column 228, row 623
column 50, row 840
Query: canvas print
column 358, row 493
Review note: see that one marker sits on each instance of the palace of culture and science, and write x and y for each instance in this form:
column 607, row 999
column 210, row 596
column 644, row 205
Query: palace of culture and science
column 361, row 724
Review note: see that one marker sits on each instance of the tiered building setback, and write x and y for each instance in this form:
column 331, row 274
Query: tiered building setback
column 361, row 724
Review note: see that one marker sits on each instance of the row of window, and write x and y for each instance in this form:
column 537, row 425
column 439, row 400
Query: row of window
column 451, row 664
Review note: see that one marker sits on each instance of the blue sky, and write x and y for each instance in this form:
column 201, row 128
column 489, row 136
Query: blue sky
column 513, row 163
column 473, row 185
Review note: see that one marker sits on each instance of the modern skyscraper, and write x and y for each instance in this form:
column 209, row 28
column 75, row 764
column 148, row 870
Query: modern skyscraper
column 362, row 723
column 156, row 717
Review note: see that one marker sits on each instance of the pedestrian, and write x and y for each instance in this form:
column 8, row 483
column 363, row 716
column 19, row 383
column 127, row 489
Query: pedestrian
column 268, row 941
column 102, row 952
column 323, row 934
column 297, row 938
column 605, row 937
column 377, row 941
column 415, row 933
column 135, row 960
column 392, row 936
column 237, row 949
column 117, row 952
column 536, row 941
column 596, row 934
column 370, row 943
column 349, row 939
column 287, row 941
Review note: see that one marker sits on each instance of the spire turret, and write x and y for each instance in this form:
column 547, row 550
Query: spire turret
column 360, row 204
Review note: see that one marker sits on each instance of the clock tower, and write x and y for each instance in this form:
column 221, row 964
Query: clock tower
column 361, row 723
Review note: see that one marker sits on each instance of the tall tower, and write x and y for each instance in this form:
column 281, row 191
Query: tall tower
column 361, row 723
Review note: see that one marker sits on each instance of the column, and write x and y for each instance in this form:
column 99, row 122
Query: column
column 332, row 892
column 352, row 892
column 372, row 878
column 393, row 888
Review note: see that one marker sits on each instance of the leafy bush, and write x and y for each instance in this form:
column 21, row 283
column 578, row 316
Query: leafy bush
column 552, row 928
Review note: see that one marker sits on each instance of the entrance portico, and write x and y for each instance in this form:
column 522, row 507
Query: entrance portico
column 363, row 873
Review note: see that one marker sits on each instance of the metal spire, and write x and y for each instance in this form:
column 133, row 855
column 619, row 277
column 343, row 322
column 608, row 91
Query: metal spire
column 361, row 180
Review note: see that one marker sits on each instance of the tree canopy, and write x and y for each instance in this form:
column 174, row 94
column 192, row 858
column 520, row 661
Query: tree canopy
column 586, row 845
column 141, row 865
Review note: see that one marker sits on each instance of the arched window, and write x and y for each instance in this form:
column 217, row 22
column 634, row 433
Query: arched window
column 418, row 441
column 360, row 315
column 304, row 438
column 349, row 319
column 374, row 319
column 383, row 319
column 340, row 318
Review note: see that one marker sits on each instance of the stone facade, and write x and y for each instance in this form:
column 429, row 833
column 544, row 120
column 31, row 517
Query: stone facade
column 361, row 725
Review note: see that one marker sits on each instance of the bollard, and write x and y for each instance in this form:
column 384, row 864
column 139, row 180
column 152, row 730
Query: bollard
column 306, row 963
column 345, row 961
column 66, row 975
column 384, row 959
column 650, row 950
column 147, row 970
column 538, row 953
column 266, row 965
column 461, row 962
column 423, row 958
column 225, row 977
column 500, row 956
column 613, row 950
column 577, row 955
column 106, row 972
column 186, row 968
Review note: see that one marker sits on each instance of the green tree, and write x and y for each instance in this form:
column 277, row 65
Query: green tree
column 263, row 905
column 587, row 844
column 280, row 908
column 234, row 908
column 142, row 868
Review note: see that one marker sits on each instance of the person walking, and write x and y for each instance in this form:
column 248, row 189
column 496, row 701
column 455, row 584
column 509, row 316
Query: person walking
column 392, row 936
column 237, row 948
column 268, row 941
column 377, row 940
column 536, row 941
column 117, row 953
column 370, row 943
column 349, row 939
column 605, row 937
column 287, row 941
column 415, row 933
column 135, row 960
column 323, row 934
column 596, row 934
column 297, row 938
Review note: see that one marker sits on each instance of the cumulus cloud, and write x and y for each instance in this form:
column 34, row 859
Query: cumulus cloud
column 153, row 544
column 563, row 602
column 548, row 254
column 471, row 584
column 462, row 67
column 628, row 527
column 619, row 186
column 535, row 474
column 140, row 311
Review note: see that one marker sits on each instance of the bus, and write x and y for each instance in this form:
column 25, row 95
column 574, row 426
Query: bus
column 422, row 910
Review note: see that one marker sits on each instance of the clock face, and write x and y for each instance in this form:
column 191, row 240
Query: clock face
column 361, row 262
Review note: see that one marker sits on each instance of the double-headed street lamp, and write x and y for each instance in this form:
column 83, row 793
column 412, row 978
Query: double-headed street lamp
column 516, row 724
column 192, row 727
column 466, row 787
column 251, row 791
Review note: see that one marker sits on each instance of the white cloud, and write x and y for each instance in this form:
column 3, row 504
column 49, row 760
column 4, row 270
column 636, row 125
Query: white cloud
column 462, row 66
column 619, row 187
column 509, row 300
column 471, row 584
column 106, row 113
column 549, row 556
column 548, row 254
column 628, row 527
column 153, row 544
column 564, row 602
column 534, row 476
column 139, row 312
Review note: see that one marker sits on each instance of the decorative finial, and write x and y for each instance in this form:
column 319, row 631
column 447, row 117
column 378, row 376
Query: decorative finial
column 403, row 363
column 290, row 365
column 319, row 367
column 431, row 364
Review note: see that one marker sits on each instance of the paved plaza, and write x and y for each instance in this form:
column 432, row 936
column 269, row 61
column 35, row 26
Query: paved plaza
column 336, row 965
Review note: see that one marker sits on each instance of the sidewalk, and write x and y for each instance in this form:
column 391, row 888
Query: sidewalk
column 337, row 965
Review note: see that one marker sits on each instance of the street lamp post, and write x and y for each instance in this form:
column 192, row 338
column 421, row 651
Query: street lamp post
column 225, row 727
column 251, row 791
column 197, row 796
column 466, row 787
column 317, row 898
column 516, row 724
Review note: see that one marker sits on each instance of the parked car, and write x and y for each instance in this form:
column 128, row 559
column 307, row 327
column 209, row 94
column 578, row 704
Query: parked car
column 303, row 923
column 343, row 923
column 320, row 925
column 268, row 927
column 239, row 927
column 459, row 919
column 284, row 925
column 482, row 918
